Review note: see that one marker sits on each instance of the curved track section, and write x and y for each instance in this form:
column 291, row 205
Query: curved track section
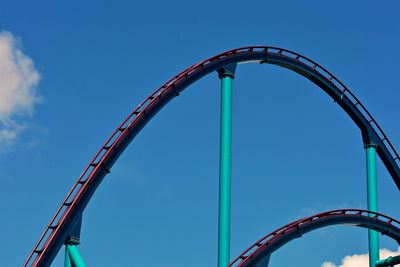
column 260, row 251
column 70, row 211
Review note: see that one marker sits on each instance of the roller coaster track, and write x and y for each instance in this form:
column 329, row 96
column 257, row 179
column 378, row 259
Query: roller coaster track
column 70, row 211
column 258, row 254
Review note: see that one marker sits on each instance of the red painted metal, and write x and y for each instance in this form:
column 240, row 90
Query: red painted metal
column 97, row 163
column 267, row 240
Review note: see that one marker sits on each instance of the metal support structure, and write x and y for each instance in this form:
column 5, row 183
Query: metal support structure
column 372, row 194
column 391, row 261
column 57, row 230
column 265, row 261
column 67, row 262
column 72, row 257
column 224, row 217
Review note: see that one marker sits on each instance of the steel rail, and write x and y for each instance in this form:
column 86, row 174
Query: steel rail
column 71, row 209
column 276, row 239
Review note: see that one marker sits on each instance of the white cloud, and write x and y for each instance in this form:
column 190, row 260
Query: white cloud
column 328, row 264
column 361, row 260
column 18, row 80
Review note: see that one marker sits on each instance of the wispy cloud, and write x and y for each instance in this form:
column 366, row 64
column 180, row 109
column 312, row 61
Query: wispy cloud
column 361, row 260
column 18, row 81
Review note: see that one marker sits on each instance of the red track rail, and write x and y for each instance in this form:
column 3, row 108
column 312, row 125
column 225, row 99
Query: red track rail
column 294, row 226
column 97, row 164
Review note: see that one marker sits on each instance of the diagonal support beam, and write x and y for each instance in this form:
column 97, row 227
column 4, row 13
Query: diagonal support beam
column 391, row 261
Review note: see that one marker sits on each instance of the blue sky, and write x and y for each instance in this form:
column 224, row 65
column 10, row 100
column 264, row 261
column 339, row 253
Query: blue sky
column 295, row 152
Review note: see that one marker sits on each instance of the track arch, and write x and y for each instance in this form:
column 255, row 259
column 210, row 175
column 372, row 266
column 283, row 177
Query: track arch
column 70, row 211
column 260, row 251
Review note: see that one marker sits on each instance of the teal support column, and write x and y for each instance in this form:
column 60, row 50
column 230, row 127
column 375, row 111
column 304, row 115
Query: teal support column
column 67, row 262
column 372, row 193
column 75, row 257
column 224, row 218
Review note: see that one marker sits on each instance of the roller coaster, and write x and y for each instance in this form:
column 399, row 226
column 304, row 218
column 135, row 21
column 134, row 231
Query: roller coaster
column 64, row 226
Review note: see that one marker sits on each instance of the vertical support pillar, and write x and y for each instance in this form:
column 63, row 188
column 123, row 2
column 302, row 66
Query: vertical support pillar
column 372, row 194
column 67, row 262
column 224, row 217
column 75, row 257
column 72, row 256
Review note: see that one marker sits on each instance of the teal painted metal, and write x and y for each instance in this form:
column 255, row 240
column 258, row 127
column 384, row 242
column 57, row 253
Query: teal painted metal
column 388, row 262
column 372, row 193
column 224, row 218
column 67, row 262
column 75, row 257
